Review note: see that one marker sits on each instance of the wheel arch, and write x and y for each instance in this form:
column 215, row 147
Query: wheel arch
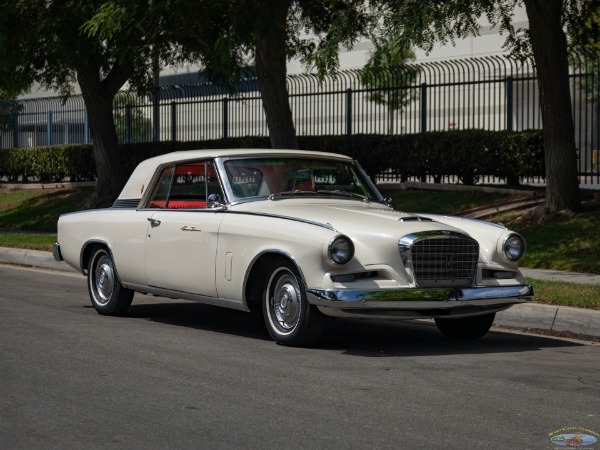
column 88, row 250
column 255, row 279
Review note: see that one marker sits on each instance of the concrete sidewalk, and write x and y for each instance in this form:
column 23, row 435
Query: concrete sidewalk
column 532, row 315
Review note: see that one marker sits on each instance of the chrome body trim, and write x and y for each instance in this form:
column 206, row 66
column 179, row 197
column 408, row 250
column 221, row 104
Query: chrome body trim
column 56, row 252
column 256, row 258
column 84, row 269
column 278, row 216
column 232, row 200
column 343, row 236
column 418, row 302
column 168, row 293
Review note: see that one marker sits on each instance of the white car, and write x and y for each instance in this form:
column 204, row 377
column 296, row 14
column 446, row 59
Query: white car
column 298, row 235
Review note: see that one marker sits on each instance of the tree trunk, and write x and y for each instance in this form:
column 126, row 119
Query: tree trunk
column 549, row 45
column 110, row 167
column 271, row 70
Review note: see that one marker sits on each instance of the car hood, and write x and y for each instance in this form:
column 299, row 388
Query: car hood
column 373, row 226
column 351, row 217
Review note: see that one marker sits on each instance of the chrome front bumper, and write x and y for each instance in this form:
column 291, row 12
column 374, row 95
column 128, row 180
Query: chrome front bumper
column 418, row 302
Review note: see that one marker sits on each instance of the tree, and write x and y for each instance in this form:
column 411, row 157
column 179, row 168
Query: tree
column 270, row 32
column 585, row 40
column 8, row 108
column 585, row 35
column 388, row 72
column 61, row 42
column 104, row 44
column 426, row 23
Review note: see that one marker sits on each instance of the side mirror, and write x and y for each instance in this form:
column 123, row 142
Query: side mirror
column 388, row 201
column 214, row 201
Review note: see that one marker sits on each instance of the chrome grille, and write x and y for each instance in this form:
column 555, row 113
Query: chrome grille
column 446, row 260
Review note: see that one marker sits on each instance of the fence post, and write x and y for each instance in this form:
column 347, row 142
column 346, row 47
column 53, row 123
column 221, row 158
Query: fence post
column 15, row 128
column 86, row 128
column 225, row 117
column 155, row 112
column 349, row 111
column 509, row 103
column 49, row 127
column 423, row 107
column 128, row 124
column 173, row 121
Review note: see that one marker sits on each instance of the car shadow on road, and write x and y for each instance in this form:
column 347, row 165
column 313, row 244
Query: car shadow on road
column 422, row 338
column 199, row 316
column 356, row 337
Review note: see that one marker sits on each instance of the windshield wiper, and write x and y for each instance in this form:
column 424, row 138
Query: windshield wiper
column 319, row 192
column 290, row 194
column 344, row 194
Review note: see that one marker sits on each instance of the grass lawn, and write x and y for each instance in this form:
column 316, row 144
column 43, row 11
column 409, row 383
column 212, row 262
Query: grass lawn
column 562, row 243
column 38, row 210
column 566, row 294
column 28, row 241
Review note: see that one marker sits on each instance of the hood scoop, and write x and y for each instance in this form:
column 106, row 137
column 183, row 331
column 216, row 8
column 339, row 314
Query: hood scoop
column 415, row 219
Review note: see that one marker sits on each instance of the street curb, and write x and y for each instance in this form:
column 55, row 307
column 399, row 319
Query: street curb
column 32, row 258
column 551, row 318
column 528, row 315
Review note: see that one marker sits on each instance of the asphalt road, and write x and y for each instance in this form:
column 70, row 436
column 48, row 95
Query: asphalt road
column 184, row 375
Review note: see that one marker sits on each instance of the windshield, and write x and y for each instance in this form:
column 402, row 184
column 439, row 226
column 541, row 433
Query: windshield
column 282, row 176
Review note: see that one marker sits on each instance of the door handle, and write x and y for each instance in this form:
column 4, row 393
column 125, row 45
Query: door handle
column 153, row 222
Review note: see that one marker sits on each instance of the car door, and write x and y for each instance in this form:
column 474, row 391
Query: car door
column 181, row 250
column 183, row 230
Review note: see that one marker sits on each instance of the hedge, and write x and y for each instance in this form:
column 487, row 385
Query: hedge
column 468, row 154
column 48, row 163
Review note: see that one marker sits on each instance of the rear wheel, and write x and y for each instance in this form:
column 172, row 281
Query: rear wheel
column 467, row 327
column 290, row 319
column 108, row 296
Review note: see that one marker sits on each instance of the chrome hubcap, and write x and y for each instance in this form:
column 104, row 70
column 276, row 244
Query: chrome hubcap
column 286, row 302
column 104, row 280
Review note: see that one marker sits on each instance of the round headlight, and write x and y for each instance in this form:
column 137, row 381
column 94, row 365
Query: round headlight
column 514, row 247
column 341, row 250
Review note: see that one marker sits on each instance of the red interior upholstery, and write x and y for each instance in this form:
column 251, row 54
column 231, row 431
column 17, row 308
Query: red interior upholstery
column 178, row 204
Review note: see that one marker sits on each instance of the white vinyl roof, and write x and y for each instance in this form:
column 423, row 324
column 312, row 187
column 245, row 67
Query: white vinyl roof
column 142, row 175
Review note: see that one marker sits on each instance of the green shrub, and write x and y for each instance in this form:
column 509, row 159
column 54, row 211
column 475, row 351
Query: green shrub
column 468, row 154
column 48, row 164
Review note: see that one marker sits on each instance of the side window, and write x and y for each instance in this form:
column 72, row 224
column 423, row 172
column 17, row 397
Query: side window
column 158, row 199
column 187, row 186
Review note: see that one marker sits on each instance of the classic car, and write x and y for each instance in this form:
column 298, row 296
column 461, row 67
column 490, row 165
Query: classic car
column 294, row 235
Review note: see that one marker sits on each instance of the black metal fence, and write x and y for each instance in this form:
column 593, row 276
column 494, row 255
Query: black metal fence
column 492, row 93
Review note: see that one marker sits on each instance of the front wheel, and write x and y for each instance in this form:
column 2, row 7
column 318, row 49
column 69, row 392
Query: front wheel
column 290, row 319
column 108, row 296
column 467, row 327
